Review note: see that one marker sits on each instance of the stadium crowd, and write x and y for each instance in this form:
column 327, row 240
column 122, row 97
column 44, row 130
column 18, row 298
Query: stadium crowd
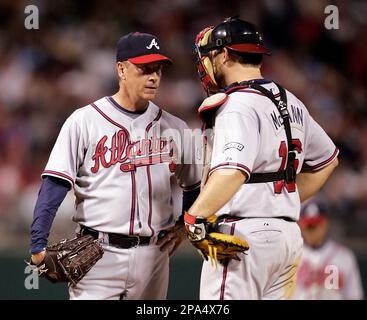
column 69, row 61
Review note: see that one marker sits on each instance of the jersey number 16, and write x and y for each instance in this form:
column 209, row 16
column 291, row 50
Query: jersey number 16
column 278, row 185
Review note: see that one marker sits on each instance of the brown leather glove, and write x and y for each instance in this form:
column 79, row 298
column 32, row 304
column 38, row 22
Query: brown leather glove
column 69, row 260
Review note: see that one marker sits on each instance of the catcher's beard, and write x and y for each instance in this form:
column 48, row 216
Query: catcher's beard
column 219, row 77
column 217, row 71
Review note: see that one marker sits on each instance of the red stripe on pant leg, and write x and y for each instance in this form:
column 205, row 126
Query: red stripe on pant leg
column 150, row 200
column 223, row 283
column 225, row 270
column 133, row 195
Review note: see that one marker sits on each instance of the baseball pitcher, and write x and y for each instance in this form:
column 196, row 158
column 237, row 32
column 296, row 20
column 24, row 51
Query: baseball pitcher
column 121, row 155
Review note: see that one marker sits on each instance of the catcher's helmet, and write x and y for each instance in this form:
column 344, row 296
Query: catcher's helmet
column 233, row 33
column 238, row 35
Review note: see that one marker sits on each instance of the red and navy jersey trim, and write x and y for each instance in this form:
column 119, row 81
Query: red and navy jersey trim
column 115, row 104
column 231, row 165
column 257, row 92
column 321, row 164
column 108, row 118
column 58, row 175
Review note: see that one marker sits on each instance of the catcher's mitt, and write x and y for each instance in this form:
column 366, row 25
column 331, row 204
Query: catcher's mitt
column 69, row 260
column 204, row 235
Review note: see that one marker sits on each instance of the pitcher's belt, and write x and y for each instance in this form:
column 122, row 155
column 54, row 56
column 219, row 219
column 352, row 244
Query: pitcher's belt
column 118, row 240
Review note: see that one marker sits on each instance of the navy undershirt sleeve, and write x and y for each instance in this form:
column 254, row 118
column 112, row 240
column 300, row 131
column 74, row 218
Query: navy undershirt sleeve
column 53, row 191
column 188, row 198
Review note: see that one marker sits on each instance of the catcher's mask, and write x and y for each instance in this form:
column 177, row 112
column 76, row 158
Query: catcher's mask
column 233, row 33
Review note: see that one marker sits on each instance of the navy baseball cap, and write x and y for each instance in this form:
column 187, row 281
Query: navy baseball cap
column 140, row 48
column 313, row 213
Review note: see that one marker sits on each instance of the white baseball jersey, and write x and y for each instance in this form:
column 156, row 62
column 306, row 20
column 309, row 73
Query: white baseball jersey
column 249, row 136
column 122, row 168
column 328, row 273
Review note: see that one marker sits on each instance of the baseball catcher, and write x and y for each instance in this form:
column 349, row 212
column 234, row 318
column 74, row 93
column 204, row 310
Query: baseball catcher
column 259, row 164
column 69, row 260
column 204, row 233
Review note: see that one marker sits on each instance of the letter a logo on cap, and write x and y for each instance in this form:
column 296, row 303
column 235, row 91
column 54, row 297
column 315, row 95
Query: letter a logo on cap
column 153, row 43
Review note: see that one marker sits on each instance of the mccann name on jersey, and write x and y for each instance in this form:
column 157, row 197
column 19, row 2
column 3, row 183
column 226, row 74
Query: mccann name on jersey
column 295, row 116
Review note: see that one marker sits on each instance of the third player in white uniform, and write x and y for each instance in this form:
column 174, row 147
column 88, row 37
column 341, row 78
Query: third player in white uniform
column 250, row 139
column 328, row 270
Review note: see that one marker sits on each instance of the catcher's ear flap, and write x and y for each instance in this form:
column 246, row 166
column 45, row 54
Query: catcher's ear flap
column 205, row 67
column 205, row 34
column 202, row 37
column 209, row 69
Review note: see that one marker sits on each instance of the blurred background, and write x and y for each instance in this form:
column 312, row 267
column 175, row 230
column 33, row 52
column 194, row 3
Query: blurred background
column 45, row 74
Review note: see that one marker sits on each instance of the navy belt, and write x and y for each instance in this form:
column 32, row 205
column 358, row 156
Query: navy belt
column 118, row 240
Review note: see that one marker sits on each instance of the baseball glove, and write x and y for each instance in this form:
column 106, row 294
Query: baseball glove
column 205, row 237
column 69, row 260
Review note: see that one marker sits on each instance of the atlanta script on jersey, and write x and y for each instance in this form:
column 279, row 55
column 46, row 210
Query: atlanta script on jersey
column 107, row 157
